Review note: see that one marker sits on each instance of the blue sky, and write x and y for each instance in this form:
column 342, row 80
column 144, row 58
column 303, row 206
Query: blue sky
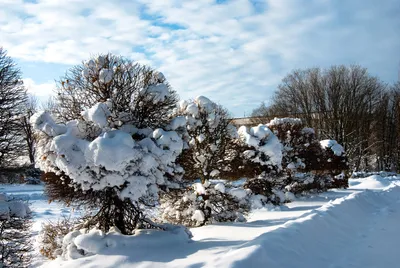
column 232, row 51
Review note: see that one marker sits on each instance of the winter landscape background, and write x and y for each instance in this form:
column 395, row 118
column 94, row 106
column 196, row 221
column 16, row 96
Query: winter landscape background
column 233, row 133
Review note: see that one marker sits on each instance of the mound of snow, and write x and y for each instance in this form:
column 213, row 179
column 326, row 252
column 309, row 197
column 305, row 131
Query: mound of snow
column 98, row 114
column 12, row 208
column 373, row 182
column 327, row 236
column 80, row 244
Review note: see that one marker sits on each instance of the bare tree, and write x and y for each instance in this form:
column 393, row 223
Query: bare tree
column 339, row 103
column 28, row 133
column 12, row 102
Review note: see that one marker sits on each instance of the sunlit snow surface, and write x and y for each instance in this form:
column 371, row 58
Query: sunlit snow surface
column 356, row 227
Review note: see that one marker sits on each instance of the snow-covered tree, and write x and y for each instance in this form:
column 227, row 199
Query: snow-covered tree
column 212, row 144
column 290, row 160
column 212, row 150
column 307, row 163
column 109, row 150
column 12, row 104
column 15, row 233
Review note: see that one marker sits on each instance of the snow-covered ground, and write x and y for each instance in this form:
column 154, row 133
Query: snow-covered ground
column 356, row 227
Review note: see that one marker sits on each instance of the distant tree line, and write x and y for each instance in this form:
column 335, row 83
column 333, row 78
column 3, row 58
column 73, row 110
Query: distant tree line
column 347, row 104
column 16, row 136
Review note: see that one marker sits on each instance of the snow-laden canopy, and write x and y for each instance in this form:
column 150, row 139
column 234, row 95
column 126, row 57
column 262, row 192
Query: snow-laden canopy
column 112, row 159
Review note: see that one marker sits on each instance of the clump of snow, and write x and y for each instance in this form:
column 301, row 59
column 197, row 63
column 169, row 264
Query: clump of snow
column 220, row 187
column 214, row 173
column 83, row 243
column 158, row 92
column 192, row 109
column 240, row 194
column 12, row 208
column 177, row 122
column 44, row 122
column 284, row 121
column 113, row 150
column 113, row 158
column 198, row 216
column 98, row 114
column 199, row 188
column 201, row 138
column 105, row 76
column 265, row 142
column 337, row 149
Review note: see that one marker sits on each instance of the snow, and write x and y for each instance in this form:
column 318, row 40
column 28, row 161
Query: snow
column 214, row 173
column 264, row 141
column 113, row 150
column 177, row 122
column 239, row 193
column 333, row 145
column 220, row 187
column 198, row 216
column 199, row 188
column 192, row 109
column 356, row 227
column 105, row 76
column 44, row 122
column 204, row 102
column 12, row 208
column 98, row 114
column 282, row 121
column 112, row 159
column 371, row 182
column 201, row 138
column 158, row 92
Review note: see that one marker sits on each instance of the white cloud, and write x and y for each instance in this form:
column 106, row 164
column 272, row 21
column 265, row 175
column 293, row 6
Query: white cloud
column 231, row 52
column 42, row 90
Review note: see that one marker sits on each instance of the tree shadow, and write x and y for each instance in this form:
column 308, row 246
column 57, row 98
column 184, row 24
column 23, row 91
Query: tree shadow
column 174, row 251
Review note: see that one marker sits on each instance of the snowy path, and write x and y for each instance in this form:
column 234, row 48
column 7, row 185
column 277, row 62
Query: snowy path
column 357, row 227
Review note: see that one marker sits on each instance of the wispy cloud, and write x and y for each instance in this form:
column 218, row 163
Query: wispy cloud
column 234, row 51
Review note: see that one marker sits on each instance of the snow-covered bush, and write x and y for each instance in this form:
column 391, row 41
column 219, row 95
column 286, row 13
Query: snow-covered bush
column 15, row 235
column 265, row 154
column 113, row 153
column 265, row 148
column 205, row 203
column 212, row 148
column 308, row 164
column 291, row 160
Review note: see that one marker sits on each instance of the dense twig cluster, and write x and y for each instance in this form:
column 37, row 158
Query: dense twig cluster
column 15, row 235
column 12, row 106
column 345, row 104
